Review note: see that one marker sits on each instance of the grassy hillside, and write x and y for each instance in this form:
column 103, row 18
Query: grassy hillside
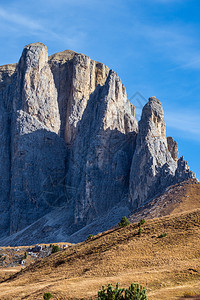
column 169, row 266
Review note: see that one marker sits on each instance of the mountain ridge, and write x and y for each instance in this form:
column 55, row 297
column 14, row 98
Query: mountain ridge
column 72, row 150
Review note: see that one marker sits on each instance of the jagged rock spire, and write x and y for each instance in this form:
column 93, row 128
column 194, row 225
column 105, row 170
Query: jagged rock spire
column 154, row 165
column 35, row 91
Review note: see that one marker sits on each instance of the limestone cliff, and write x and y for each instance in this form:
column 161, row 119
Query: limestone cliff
column 76, row 76
column 71, row 153
column 154, row 166
column 100, row 158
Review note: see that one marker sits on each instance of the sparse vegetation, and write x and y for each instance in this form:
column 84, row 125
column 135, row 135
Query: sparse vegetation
column 162, row 235
column 140, row 230
column 55, row 248
column 134, row 292
column 117, row 254
column 90, row 236
column 124, row 222
column 110, row 293
column 142, row 221
column 47, row 296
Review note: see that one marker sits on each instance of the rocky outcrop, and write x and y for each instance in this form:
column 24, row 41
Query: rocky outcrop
column 6, row 75
column 183, row 171
column 35, row 91
column 76, row 77
column 38, row 170
column 173, row 148
column 154, row 166
column 5, row 174
column 71, row 154
column 101, row 155
column 33, row 155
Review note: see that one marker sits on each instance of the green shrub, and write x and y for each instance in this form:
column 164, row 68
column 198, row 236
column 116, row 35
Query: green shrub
column 140, row 230
column 47, row 296
column 25, row 255
column 55, row 248
column 134, row 292
column 90, row 236
column 124, row 222
column 108, row 294
column 162, row 235
column 141, row 222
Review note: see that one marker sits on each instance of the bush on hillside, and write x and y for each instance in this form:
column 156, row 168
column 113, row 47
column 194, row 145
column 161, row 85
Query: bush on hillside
column 47, row 296
column 140, row 230
column 55, row 248
column 110, row 293
column 134, row 292
column 141, row 222
column 90, row 236
column 124, row 222
column 162, row 235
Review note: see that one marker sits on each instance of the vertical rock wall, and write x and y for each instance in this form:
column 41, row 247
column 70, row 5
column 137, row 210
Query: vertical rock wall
column 101, row 155
column 38, row 154
column 69, row 137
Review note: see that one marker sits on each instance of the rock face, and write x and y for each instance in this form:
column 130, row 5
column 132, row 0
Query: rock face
column 76, row 76
column 71, row 153
column 100, row 158
column 155, row 163
column 35, row 91
column 173, row 148
column 153, row 166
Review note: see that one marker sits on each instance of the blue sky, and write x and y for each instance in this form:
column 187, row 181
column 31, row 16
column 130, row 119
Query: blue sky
column 153, row 45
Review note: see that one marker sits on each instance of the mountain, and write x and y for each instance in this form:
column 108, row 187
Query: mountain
column 73, row 159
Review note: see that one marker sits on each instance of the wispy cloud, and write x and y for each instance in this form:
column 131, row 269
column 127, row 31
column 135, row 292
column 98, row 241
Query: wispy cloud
column 185, row 121
column 21, row 20
column 25, row 24
column 176, row 41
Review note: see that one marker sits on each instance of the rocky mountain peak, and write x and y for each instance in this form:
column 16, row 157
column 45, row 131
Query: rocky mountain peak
column 152, row 119
column 34, row 56
column 72, row 155
column 154, row 164
column 35, row 91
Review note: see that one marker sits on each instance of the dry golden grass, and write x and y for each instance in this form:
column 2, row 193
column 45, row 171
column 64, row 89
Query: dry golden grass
column 169, row 267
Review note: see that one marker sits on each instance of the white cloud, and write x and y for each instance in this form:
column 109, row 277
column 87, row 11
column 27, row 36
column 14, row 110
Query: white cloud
column 186, row 121
column 20, row 20
column 178, row 43
column 26, row 25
